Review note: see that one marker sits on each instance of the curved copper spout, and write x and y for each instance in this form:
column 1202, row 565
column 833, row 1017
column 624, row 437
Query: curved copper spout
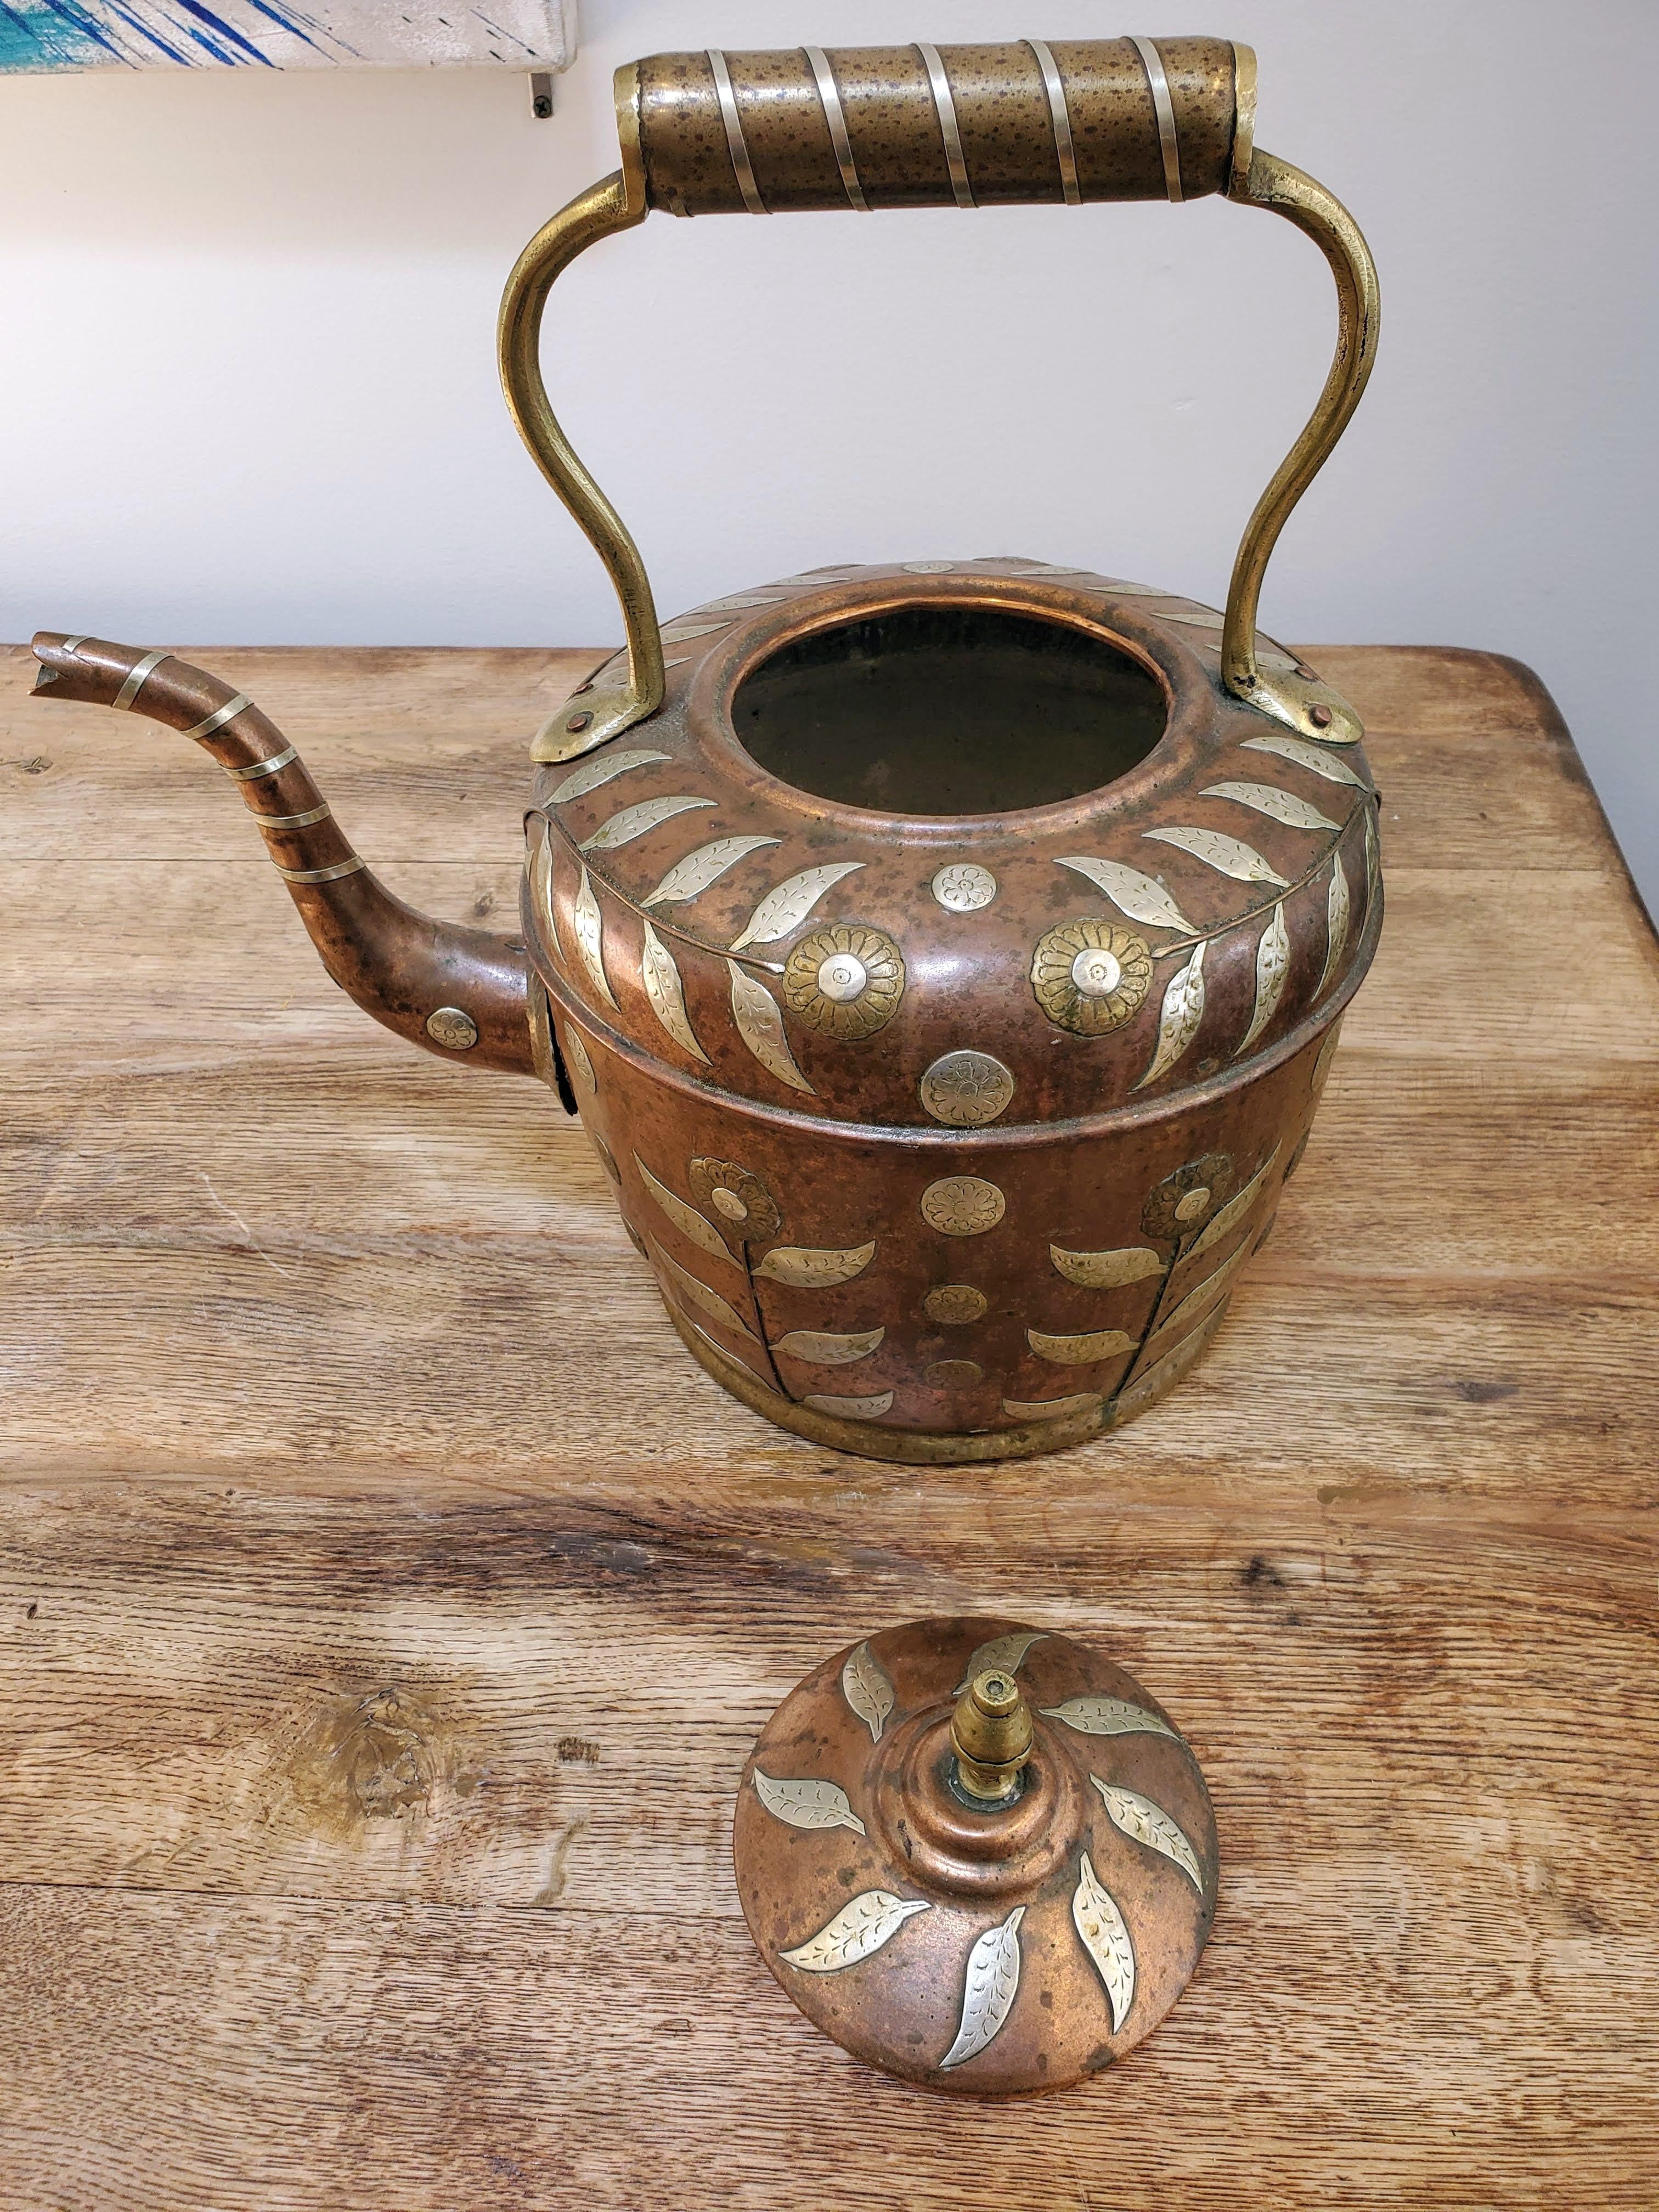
column 462, row 993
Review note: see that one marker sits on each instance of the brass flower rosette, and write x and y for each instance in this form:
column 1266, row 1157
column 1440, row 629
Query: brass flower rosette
column 976, row 1855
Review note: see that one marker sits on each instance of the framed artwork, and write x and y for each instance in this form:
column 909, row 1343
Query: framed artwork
column 140, row 35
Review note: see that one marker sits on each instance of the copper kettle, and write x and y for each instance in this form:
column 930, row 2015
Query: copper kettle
column 945, row 956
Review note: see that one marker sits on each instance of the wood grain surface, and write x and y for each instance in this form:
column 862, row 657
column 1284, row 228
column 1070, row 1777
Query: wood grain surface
column 387, row 1604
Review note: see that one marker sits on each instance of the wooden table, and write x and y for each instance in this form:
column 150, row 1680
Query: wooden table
column 387, row 1603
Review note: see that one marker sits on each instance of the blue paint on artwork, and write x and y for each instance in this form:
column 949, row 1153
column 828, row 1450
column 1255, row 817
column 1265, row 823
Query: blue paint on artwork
column 216, row 23
column 54, row 36
column 78, row 35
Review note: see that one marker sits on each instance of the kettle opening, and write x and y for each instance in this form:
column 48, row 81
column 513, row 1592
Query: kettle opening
column 942, row 708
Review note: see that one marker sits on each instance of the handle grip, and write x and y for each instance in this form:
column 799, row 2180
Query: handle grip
column 925, row 126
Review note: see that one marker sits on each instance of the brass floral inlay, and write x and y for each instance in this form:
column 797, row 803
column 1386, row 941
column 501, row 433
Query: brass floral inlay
column 738, row 1197
column 1089, row 977
column 952, row 1304
column 846, row 979
column 1187, row 1198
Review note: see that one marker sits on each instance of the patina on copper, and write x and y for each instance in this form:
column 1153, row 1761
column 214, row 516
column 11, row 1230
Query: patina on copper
column 945, row 955
column 976, row 1855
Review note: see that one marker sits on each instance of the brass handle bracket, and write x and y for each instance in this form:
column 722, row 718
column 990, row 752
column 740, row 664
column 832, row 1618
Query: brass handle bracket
column 619, row 202
column 1302, row 703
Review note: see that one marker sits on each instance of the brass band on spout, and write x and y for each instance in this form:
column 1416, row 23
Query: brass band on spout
column 320, row 875
column 864, row 127
column 237, row 703
column 255, row 770
column 138, row 678
column 296, row 821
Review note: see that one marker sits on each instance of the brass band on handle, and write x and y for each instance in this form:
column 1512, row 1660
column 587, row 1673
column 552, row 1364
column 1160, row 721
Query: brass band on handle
column 946, row 107
column 735, row 141
column 834, row 115
column 1012, row 124
column 1055, row 85
column 1168, row 137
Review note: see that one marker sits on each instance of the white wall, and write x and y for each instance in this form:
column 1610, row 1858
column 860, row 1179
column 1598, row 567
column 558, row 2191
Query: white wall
column 249, row 386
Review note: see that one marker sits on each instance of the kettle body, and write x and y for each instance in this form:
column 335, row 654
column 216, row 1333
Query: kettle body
column 948, row 1133
column 945, row 956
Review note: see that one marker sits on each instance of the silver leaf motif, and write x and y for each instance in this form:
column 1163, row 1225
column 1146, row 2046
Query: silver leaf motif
column 760, row 1024
column 1234, row 1210
column 1272, row 965
column 1321, row 1066
column 867, row 1689
column 709, row 1302
column 856, row 1933
column 1278, row 805
column 851, row 1409
column 823, row 1347
column 989, row 1989
column 1106, row 1271
column 660, row 974
column 694, row 874
column 1104, row 1935
column 806, row 1804
column 602, row 768
column 1108, row 1717
column 590, row 937
column 740, row 599
column 1205, row 1294
column 1183, row 1010
column 1079, row 1351
column 1005, row 1653
column 1052, row 1409
column 726, row 1352
column 1149, row 1823
column 634, row 822
column 1336, row 922
column 677, row 632
column 1142, row 897
column 1217, row 850
column 1298, row 749
column 685, row 1219
column 806, row 1267
column 786, row 907
column 576, row 1052
column 541, row 880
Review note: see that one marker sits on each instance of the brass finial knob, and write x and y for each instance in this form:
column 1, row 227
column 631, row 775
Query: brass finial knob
column 991, row 1736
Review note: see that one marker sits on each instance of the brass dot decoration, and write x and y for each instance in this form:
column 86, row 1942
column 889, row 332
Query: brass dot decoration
column 953, row 1374
column 965, row 1090
column 963, row 1205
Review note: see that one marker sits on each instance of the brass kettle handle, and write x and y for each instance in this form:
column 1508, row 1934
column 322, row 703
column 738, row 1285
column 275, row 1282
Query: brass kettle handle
column 914, row 126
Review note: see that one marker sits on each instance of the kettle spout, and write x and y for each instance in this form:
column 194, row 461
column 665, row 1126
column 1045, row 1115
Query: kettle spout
column 460, row 993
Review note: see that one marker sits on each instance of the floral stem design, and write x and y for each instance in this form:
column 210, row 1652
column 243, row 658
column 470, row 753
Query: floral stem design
column 760, row 1328
column 1183, row 1245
